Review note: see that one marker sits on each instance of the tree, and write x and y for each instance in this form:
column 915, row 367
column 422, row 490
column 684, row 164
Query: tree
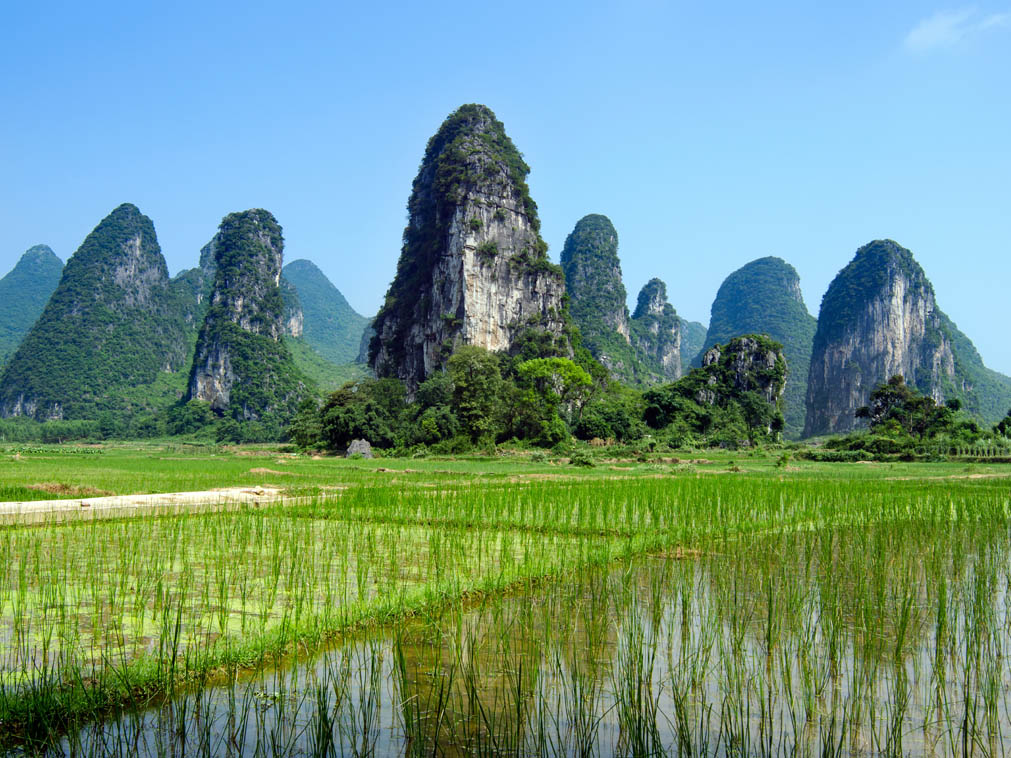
column 368, row 409
column 477, row 391
column 917, row 415
column 560, row 383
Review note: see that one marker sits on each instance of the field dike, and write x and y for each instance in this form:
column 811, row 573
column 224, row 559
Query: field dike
column 125, row 506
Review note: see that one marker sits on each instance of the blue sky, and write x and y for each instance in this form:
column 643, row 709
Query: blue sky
column 711, row 134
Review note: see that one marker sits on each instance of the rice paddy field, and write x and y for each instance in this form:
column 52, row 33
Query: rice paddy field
column 711, row 605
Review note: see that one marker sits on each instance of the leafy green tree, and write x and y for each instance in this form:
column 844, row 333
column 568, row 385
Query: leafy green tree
column 306, row 428
column 432, row 419
column 1004, row 427
column 367, row 410
column 190, row 417
column 916, row 414
column 615, row 413
column 477, row 391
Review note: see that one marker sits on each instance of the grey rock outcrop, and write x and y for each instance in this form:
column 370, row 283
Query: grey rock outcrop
column 656, row 329
column 293, row 318
column 473, row 269
column 361, row 448
column 878, row 318
column 747, row 364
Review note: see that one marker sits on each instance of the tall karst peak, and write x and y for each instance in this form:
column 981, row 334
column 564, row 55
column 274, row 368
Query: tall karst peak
column 111, row 324
column 652, row 300
column 764, row 297
column 241, row 366
column 656, row 330
column 639, row 352
column 880, row 318
column 473, row 268
column 24, row 292
column 593, row 277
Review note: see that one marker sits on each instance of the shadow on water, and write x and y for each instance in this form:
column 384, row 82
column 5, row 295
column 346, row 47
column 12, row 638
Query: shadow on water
column 889, row 640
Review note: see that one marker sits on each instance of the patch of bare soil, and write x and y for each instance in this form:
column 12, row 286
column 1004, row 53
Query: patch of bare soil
column 61, row 488
column 269, row 471
column 45, row 511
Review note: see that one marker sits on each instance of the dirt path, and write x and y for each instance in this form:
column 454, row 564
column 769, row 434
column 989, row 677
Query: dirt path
column 117, row 506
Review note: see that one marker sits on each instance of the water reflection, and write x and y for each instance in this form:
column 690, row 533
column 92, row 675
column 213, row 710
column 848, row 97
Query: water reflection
column 889, row 640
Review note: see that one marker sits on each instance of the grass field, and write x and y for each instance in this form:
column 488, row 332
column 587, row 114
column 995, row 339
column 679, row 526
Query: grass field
column 718, row 604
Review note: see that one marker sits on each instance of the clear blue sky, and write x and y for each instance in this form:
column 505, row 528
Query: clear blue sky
column 710, row 133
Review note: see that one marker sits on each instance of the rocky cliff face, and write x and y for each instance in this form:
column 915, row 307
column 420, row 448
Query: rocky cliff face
column 241, row 366
column 293, row 320
column 642, row 350
column 110, row 328
column 24, row 292
column 473, row 269
column 745, row 364
column 193, row 287
column 764, row 297
column 656, row 330
column 878, row 319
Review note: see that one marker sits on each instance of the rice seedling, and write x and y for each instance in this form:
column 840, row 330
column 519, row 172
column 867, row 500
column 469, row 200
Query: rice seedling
column 688, row 615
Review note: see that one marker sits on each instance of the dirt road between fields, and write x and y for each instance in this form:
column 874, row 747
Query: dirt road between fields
column 119, row 506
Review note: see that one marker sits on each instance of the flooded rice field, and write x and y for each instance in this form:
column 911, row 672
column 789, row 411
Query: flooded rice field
column 851, row 641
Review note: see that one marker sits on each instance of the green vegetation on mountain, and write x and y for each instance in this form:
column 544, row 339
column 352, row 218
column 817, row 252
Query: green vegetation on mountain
column 24, row 292
column 597, row 296
column 693, row 337
column 192, row 288
column 764, row 297
column 111, row 325
column 734, row 398
column 326, row 375
column 241, row 367
column 330, row 325
column 983, row 392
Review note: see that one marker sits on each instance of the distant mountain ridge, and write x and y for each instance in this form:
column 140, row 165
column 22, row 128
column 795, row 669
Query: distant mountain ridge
column 330, row 326
column 24, row 292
